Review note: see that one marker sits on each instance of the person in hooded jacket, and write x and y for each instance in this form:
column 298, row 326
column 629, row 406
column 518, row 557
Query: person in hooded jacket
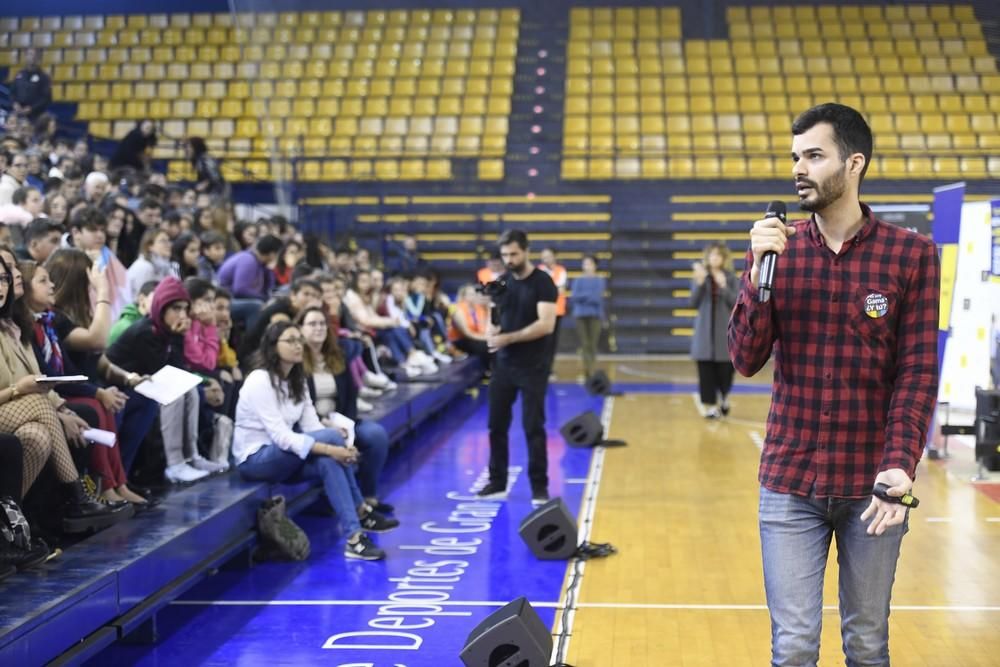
column 147, row 346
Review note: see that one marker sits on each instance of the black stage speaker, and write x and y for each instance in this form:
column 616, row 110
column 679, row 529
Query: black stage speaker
column 512, row 636
column 583, row 431
column 598, row 384
column 550, row 531
column 987, row 428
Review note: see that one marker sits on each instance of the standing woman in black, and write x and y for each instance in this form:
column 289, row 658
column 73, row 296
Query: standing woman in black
column 714, row 288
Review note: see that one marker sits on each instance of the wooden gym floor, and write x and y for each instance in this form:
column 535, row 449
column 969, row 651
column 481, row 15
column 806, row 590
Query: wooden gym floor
column 680, row 503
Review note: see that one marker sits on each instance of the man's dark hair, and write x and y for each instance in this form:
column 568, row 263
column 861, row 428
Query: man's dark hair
column 149, row 202
column 39, row 228
column 88, row 217
column 174, row 217
column 301, row 283
column 198, row 287
column 21, row 194
column 513, row 236
column 152, row 190
column 267, row 244
column 53, row 184
column 73, row 174
column 301, row 270
column 148, row 288
column 343, row 250
column 850, row 131
column 592, row 258
column 210, row 238
column 222, row 293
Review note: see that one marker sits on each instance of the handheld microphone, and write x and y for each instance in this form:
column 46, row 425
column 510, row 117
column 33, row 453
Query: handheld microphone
column 775, row 209
column 881, row 491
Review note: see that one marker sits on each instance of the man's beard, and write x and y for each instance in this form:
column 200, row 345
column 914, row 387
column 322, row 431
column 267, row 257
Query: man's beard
column 515, row 268
column 824, row 194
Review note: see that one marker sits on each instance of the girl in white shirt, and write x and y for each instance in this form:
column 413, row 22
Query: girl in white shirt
column 280, row 438
column 323, row 362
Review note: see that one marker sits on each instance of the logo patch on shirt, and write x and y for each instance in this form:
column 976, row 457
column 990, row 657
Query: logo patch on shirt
column 876, row 305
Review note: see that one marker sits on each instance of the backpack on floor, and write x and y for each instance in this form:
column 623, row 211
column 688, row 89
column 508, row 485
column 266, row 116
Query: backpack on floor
column 280, row 536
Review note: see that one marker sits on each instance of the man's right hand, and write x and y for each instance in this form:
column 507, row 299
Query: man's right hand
column 767, row 235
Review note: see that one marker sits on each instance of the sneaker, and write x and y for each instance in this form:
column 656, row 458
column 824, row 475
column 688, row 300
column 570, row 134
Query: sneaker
column 211, row 467
column 182, row 473
column 493, row 492
column 373, row 522
column 428, row 367
column 539, row 497
column 441, row 358
column 363, row 549
column 413, row 370
column 724, row 407
column 364, row 406
column 369, row 392
column 384, row 508
column 379, row 381
column 712, row 413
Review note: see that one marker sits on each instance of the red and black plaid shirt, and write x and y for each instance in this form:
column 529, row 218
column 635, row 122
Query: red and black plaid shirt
column 855, row 350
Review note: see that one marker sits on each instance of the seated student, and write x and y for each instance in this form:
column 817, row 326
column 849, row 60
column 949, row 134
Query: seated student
column 213, row 253
column 153, row 262
column 332, row 393
column 469, row 322
column 387, row 330
column 185, row 251
column 228, row 364
column 247, row 277
column 38, row 418
column 422, row 309
column 304, row 293
column 41, row 239
column 133, row 312
column 274, row 401
column 103, row 403
column 146, row 347
column 88, row 228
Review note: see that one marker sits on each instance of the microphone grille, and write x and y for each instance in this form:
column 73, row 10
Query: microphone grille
column 776, row 209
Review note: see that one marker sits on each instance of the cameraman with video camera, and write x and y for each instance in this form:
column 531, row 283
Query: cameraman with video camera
column 526, row 300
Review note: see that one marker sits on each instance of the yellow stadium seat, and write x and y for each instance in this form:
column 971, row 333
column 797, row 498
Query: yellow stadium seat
column 574, row 169
column 411, row 170
column 438, row 169
column 490, row 170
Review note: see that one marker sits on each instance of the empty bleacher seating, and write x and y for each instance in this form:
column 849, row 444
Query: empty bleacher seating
column 386, row 94
column 641, row 102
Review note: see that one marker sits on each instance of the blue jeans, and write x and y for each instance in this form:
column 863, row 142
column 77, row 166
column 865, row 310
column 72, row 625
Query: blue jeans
column 398, row 341
column 373, row 444
column 134, row 423
column 272, row 464
column 795, row 535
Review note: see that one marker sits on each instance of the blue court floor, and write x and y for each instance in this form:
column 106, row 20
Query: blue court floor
column 452, row 562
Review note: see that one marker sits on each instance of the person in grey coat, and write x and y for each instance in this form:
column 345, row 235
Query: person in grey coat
column 714, row 288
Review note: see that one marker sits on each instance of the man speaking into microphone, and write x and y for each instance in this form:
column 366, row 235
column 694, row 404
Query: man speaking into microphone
column 851, row 316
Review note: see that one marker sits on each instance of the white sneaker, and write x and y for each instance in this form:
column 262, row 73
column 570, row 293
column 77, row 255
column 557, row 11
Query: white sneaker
column 412, row 370
column 364, row 406
column 369, row 392
column 441, row 358
column 182, row 473
column 211, row 467
column 376, row 380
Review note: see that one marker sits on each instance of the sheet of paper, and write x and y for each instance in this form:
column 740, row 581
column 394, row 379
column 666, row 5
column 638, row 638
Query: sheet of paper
column 100, row 436
column 168, row 384
column 61, row 378
column 340, row 421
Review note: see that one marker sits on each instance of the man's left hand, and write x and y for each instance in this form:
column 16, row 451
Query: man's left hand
column 883, row 514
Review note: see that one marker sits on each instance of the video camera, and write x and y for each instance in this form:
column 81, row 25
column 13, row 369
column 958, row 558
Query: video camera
column 493, row 289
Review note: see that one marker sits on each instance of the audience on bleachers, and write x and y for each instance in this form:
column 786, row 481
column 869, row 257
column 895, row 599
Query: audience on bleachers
column 125, row 273
column 274, row 401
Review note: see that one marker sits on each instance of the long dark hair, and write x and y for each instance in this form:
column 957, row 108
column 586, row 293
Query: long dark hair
column 268, row 359
column 22, row 314
column 7, row 307
column 332, row 355
column 177, row 249
column 68, row 269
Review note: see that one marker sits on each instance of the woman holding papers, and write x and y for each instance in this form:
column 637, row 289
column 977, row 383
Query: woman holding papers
column 47, row 340
column 280, row 438
column 334, row 396
column 149, row 345
column 36, row 416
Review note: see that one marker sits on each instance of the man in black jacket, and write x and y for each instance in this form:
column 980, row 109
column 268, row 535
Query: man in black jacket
column 32, row 88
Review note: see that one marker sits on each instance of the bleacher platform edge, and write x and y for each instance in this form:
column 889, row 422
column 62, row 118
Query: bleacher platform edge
column 111, row 585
